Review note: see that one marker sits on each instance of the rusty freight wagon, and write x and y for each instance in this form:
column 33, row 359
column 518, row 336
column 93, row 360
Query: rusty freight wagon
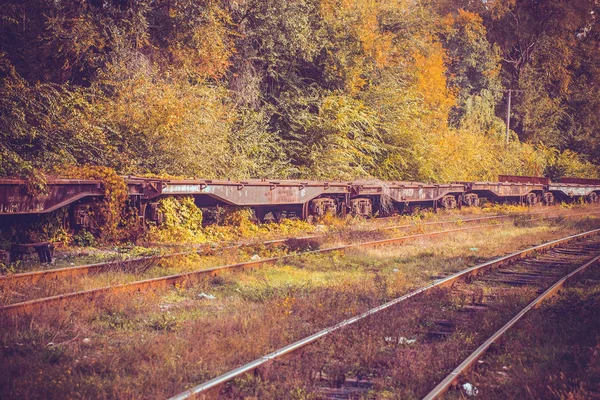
column 288, row 198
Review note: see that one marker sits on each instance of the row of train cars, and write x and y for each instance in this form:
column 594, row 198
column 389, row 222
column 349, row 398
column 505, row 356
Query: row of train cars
column 290, row 198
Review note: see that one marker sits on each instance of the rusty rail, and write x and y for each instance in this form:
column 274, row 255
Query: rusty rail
column 211, row 388
column 451, row 379
column 82, row 270
column 171, row 280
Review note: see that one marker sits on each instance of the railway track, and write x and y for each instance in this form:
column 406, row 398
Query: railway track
column 32, row 278
column 187, row 278
column 425, row 333
column 452, row 378
column 83, row 270
column 29, row 306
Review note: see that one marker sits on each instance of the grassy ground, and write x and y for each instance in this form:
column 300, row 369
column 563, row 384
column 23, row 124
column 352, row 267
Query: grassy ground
column 156, row 344
column 392, row 354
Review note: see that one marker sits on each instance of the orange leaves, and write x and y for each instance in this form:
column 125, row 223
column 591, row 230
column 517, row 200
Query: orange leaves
column 202, row 41
column 361, row 41
column 211, row 45
column 376, row 44
column 430, row 75
column 469, row 23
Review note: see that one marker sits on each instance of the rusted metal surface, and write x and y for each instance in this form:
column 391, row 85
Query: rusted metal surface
column 210, row 389
column 402, row 192
column 540, row 180
column 571, row 190
column 43, row 249
column 468, row 363
column 581, row 181
column 503, row 189
column 361, row 206
column 167, row 281
column 285, row 195
column 256, row 192
column 322, row 206
column 15, row 200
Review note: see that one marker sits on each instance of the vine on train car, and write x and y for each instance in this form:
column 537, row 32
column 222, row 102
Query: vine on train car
column 111, row 219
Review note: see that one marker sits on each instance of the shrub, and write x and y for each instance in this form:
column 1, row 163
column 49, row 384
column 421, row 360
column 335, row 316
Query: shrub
column 84, row 239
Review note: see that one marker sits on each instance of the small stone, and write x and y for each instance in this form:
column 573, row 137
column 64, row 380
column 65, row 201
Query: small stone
column 403, row 340
column 86, row 341
column 470, row 390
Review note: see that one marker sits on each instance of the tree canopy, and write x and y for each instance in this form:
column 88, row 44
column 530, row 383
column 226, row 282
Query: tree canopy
column 397, row 89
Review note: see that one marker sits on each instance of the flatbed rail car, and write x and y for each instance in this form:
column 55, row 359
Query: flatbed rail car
column 565, row 190
column 404, row 195
column 15, row 199
column 301, row 198
column 512, row 192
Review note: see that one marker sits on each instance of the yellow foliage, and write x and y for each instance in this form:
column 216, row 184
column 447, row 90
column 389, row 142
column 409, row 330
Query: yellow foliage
column 209, row 47
column 110, row 212
column 430, row 71
column 179, row 127
column 358, row 21
column 182, row 222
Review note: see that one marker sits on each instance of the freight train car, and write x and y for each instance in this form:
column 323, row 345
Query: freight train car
column 290, row 198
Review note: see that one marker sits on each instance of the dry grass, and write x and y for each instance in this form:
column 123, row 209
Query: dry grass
column 156, row 344
column 394, row 354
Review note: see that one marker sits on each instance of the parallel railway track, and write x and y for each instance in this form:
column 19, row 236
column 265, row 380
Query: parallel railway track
column 468, row 363
column 504, row 272
column 31, row 278
column 82, row 270
column 26, row 307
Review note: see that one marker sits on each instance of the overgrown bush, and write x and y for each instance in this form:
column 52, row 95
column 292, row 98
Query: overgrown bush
column 84, row 239
column 182, row 222
column 109, row 212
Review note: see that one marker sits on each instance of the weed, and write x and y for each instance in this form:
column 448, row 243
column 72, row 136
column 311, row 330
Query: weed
column 164, row 322
column 84, row 239
column 253, row 313
column 53, row 354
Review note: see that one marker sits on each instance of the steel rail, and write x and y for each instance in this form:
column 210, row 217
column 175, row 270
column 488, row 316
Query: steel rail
column 83, row 270
column 209, row 388
column 451, row 379
column 171, row 280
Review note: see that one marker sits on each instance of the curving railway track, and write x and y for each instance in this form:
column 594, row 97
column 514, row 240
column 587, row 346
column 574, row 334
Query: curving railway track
column 425, row 332
column 526, row 277
column 178, row 336
column 82, row 270
column 47, row 275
